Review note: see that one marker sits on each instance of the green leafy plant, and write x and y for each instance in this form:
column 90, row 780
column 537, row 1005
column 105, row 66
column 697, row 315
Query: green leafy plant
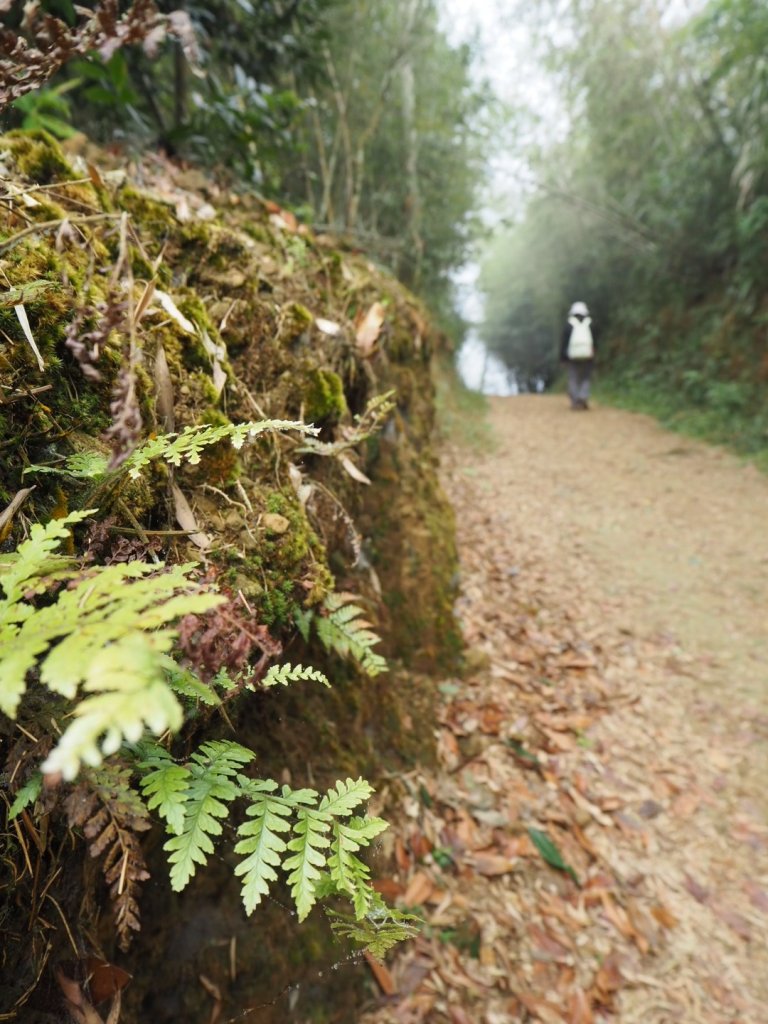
column 48, row 110
column 314, row 839
column 342, row 627
column 107, row 633
column 379, row 930
column 175, row 449
column 282, row 675
column 550, row 852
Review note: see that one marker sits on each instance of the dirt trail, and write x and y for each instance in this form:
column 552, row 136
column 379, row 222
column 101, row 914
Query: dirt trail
column 614, row 595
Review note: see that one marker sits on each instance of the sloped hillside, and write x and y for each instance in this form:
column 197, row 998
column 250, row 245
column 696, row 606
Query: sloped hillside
column 147, row 310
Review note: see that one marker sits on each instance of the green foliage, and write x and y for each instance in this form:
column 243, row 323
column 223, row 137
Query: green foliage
column 106, row 633
column 343, row 629
column 379, row 930
column 80, row 466
column 48, row 110
column 175, row 449
column 188, row 445
column 210, row 785
column 314, row 839
column 27, row 795
column 658, row 223
column 550, row 852
column 284, row 674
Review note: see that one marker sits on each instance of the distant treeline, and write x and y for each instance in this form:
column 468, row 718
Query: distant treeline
column 359, row 114
column 654, row 209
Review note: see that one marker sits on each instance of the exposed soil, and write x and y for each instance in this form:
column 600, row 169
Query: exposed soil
column 614, row 595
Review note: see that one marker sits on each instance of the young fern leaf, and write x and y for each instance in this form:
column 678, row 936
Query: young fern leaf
column 212, row 784
column 284, row 674
column 262, row 840
column 28, row 569
column 343, row 629
column 130, row 695
column 27, row 795
column 308, row 860
column 104, row 633
column 348, row 873
column 344, row 797
column 187, row 684
column 381, row 928
column 310, row 840
column 80, row 466
column 188, row 445
column 165, row 787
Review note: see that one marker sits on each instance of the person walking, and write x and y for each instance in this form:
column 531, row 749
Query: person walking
column 578, row 351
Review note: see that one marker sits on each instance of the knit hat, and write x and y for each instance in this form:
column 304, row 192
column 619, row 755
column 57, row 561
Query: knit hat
column 578, row 309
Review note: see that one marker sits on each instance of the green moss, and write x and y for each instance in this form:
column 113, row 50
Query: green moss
column 323, row 397
column 152, row 216
column 38, row 156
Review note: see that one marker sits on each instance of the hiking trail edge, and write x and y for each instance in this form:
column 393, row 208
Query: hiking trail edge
column 593, row 844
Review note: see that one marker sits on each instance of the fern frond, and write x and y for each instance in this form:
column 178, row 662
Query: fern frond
column 261, row 839
column 284, row 674
column 104, row 633
column 165, row 786
column 344, row 797
column 343, row 629
column 132, row 696
column 212, row 781
column 189, row 444
column 25, row 570
column 349, row 874
column 379, row 930
column 187, row 684
column 308, row 860
column 303, row 621
column 80, row 466
column 110, row 813
column 26, row 795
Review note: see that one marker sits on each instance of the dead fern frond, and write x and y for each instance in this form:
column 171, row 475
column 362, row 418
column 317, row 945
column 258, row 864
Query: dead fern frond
column 111, row 814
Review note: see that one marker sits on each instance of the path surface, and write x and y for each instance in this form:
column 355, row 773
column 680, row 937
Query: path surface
column 615, row 604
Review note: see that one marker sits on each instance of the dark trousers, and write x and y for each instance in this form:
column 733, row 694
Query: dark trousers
column 579, row 377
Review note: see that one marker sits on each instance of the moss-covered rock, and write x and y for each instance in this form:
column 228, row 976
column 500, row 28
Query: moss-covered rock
column 288, row 524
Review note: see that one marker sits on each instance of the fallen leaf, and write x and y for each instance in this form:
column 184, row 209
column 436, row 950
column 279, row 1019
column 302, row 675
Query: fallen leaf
column 381, row 973
column 420, row 888
column 23, row 319
column 550, row 852
column 608, row 978
column 354, row 472
column 579, row 1008
column 686, row 804
column 174, row 312
column 738, row 924
column 163, row 391
column 369, row 328
column 757, row 897
column 185, row 517
column 328, row 327
column 492, row 864
column 664, row 916
column 696, row 890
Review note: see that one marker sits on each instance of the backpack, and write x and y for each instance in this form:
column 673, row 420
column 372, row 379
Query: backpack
column 580, row 344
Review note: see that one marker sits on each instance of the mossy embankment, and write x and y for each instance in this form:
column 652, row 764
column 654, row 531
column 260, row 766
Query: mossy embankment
column 263, row 322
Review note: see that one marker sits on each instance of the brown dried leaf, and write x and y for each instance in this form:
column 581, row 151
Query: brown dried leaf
column 368, row 329
column 420, row 888
column 185, row 517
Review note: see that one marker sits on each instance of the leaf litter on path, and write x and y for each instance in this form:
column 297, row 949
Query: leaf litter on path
column 584, row 852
